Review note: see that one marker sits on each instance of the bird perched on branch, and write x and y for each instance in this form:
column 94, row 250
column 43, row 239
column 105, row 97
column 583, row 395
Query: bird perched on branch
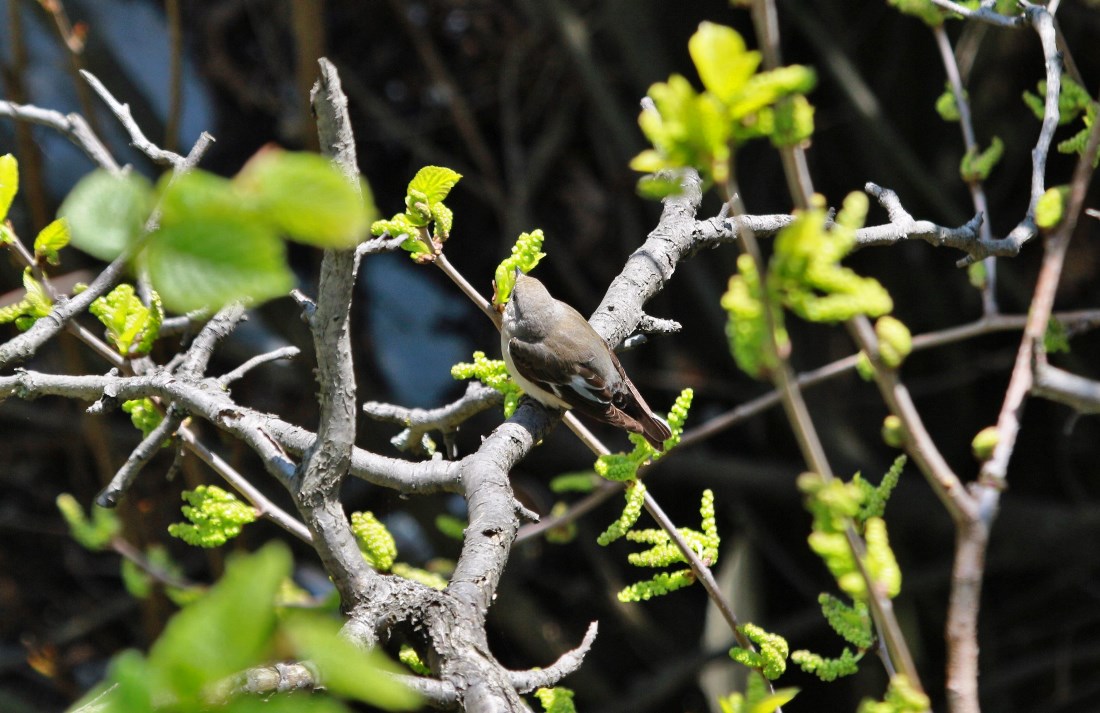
column 558, row 359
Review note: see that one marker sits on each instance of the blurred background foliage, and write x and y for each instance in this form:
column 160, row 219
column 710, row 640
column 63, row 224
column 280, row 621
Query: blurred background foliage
column 535, row 102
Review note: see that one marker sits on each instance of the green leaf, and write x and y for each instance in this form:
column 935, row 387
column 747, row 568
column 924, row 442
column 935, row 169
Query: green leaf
column 435, row 182
column 209, row 261
column 51, row 239
column 308, row 198
column 9, row 183
column 375, row 541
column 216, row 516
column 655, row 187
column 106, row 212
column 1051, row 206
column 976, row 165
column 346, row 669
column 143, row 414
column 227, row 630
column 131, row 326
column 773, row 701
column 444, row 219
column 721, row 59
column 298, row 702
column 200, row 194
column 94, row 534
column 37, row 301
column 137, row 683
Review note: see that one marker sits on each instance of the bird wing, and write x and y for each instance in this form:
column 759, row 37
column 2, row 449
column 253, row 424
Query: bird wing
column 582, row 385
column 572, row 381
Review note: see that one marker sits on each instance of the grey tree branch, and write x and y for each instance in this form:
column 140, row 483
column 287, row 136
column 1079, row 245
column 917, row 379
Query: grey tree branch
column 137, row 137
column 447, row 419
column 567, row 663
column 258, row 360
column 1077, row 392
column 72, row 126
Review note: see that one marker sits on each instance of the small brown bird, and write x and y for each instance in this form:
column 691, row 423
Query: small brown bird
column 558, row 359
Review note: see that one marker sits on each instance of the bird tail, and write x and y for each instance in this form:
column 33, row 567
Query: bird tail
column 640, row 419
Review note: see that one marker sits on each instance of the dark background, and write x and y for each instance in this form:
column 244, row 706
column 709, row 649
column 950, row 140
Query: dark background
column 536, row 104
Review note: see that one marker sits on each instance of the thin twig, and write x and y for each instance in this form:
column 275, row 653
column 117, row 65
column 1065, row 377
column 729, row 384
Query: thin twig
column 137, row 137
column 259, row 359
column 73, row 126
column 970, row 144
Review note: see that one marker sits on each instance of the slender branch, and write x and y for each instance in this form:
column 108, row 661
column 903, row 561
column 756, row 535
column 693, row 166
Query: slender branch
column 567, row 663
column 1077, row 392
column 700, row 569
column 918, row 442
column 970, row 143
column 973, row 538
column 259, row 359
column 1008, row 422
column 71, row 126
column 419, row 422
column 984, row 14
column 137, row 137
column 264, row 506
column 138, row 459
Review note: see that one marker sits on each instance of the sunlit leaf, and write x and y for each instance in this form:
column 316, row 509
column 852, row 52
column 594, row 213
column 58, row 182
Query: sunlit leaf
column 721, row 59
column 435, row 182
column 207, row 262
column 51, row 239
column 346, row 669
column 9, row 183
column 227, row 630
column 106, row 212
column 308, row 198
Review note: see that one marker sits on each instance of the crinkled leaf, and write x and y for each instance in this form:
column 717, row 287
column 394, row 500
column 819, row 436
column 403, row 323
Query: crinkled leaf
column 106, row 212
column 435, row 182
column 51, row 239
column 400, row 225
column 131, row 326
column 346, row 669
column 444, row 219
column 308, row 198
column 9, row 183
column 38, row 302
column 207, row 262
column 721, row 59
column 227, row 630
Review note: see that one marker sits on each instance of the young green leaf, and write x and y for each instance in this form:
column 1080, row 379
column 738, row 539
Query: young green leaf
column 51, row 239
column 200, row 194
column 435, row 182
column 721, row 59
column 210, row 261
column 9, row 183
column 227, row 630
column 106, row 212
column 215, row 516
column 346, row 669
column 308, row 198
column 131, row 326
column 143, row 414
